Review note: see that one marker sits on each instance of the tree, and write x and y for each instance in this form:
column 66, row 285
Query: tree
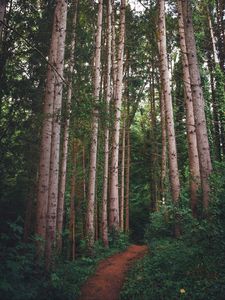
column 106, row 133
column 114, row 194
column 165, row 80
column 47, row 196
column 55, row 140
column 190, row 121
column 3, row 4
column 94, row 131
column 198, row 103
column 62, row 183
column 46, row 134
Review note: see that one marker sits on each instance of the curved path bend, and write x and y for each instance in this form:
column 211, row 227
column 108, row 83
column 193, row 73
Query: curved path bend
column 109, row 277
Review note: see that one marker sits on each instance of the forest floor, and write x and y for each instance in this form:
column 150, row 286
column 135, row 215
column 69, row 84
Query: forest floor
column 109, row 277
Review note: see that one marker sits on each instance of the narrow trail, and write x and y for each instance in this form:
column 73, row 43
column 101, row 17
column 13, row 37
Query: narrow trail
column 109, row 277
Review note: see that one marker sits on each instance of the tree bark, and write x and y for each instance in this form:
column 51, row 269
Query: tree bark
column 172, row 150
column 46, row 137
column 90, row 230
column 62, row 182
column 198, row 104
column 114, row 193
column 84, row 189
column 72, row 205
column 122, row 186
column 106, row 146
column 127, row 195
column 55, row 141
column 195, row 181
column 2, row 16
column 164, row 148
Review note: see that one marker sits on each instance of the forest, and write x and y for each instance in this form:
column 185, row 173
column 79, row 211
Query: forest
column 112, row 149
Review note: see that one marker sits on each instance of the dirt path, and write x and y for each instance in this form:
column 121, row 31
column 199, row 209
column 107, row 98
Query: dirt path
column 108, row 279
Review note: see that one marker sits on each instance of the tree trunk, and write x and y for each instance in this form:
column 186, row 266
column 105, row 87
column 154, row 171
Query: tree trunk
column 106, row 146
column 94, row 133
column 122, row 174
column 190, row 122
column 198, row 103
column 127, row 195
column 2, row 16
column 154, row 154
column 55, row 141
column 163, row 154
column 212, row 37
column 84, row 189
column 62, row 183
column 114, row 193
column 173, row 170
column 220, row 35
column 46, row 137
column 72, row 205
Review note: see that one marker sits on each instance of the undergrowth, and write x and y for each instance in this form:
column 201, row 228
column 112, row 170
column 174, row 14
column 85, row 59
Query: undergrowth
column 22, row 279
column 191, row 267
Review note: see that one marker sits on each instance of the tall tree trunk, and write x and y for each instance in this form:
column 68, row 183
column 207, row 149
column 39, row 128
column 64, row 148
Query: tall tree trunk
column 215, row 112
column 46, row 136
column 195, row 181
column 84, row 189
column 220, row 35
column 55, row 141
column 2, row 16
column 198, row 103
column 174, row 174
column 96, row 219
column 114, row 193
column 94, row 133
column 62, row 182
column 122, row 186
column 164, row 148
column 154, row 154
column 127, row 195
column 106, row 146
column 72, row 204
column 212, row 37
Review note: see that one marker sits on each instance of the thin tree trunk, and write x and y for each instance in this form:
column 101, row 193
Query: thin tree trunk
column 72, row 205
column 106, row 146
column 84, row 189
column 114, row 62
column 62, row 183
column 164, row 148
column 55, row 142
column 174, row 174
column 215, row 113
column 96, row 219
column 153, row 160
column 198, row 103
column 212, row 36
column 122, row 186
column 195, row 181
column 213, row 64
column 2, row 16
column 220, row 35
column 114, row 193
column 127, row 195
column 94, row 132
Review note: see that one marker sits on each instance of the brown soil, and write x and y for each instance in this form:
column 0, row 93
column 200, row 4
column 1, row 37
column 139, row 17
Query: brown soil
column 109, row 277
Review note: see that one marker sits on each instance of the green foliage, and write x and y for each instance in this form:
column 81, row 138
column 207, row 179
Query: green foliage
column 191, row 267
column 21, row 278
